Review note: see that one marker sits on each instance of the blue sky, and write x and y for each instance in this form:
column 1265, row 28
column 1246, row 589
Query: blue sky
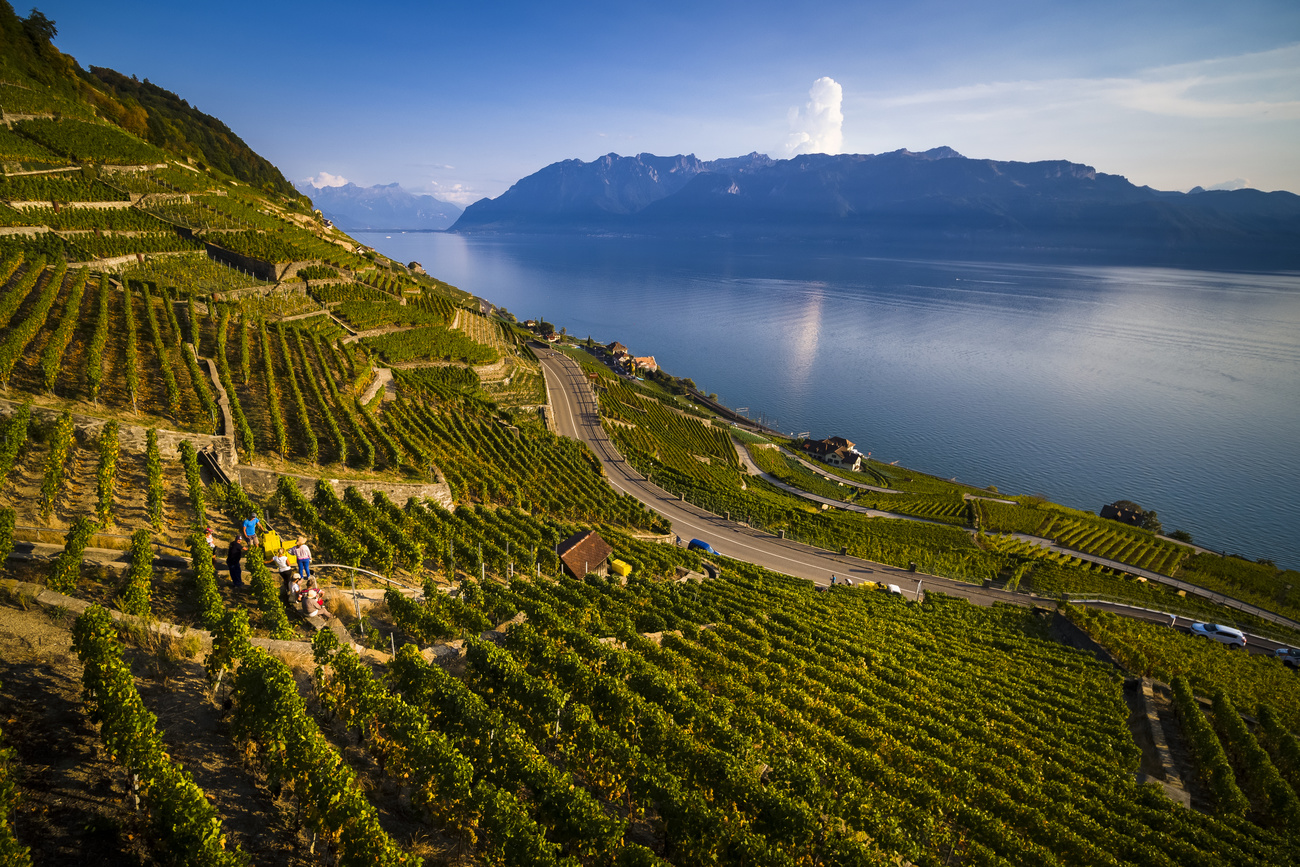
column 463, row 99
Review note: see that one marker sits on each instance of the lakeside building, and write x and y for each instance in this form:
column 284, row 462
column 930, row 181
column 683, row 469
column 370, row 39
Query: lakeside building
column 836, row 451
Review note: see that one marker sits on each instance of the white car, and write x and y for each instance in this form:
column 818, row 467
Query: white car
column 1234, row 638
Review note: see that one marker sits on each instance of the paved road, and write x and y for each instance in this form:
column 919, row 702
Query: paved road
column 576, row 416
column 1194, row 590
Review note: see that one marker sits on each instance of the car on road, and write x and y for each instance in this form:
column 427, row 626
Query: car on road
column 1290, row 656
column 701, row 545
column 1234, row 638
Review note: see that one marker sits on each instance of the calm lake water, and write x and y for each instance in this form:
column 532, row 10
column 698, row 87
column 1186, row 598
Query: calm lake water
column 1177, row 389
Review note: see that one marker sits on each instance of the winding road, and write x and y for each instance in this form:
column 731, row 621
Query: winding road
column 576, row 415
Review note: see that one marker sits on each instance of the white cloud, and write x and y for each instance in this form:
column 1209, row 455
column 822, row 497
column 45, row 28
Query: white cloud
column 325, row 179
column 459, row 194
column 1234, row 184
column 1260, row 85
column 818, row 128
column 1170, row 127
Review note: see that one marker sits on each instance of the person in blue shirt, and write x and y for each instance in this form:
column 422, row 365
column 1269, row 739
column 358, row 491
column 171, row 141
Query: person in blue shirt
column 250, row 530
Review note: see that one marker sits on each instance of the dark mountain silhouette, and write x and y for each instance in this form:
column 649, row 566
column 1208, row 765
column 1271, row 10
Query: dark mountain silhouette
column 383, row 207
column 936, row 198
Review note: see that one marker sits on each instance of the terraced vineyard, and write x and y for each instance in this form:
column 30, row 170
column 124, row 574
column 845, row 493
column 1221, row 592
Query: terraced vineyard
column 1115, row 542
column 97, row 363
column 935, row 731
column 758, row 717
column 55, row 472
column 431, row 343
column 660, row 719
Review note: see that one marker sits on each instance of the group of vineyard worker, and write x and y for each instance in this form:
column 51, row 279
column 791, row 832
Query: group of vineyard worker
column 295, row 586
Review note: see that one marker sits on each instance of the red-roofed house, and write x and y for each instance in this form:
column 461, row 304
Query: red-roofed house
column 585, row 552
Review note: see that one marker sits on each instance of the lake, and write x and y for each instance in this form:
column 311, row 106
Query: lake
column 1177, row 389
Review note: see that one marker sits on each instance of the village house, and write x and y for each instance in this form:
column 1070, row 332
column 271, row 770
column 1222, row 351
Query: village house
column 585, row 553
column 836, row 451
column 646, row 363
column 616, row 349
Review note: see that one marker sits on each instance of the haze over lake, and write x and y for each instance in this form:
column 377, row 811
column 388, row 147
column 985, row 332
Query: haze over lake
column 1177, row 389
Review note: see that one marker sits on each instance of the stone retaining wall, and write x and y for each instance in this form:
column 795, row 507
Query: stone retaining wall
column 257, row 267
column 132, row 437
column 1173, row 781
column 263, row 483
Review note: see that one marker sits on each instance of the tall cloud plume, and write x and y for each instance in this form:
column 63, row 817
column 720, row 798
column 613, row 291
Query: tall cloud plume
column 818, row 128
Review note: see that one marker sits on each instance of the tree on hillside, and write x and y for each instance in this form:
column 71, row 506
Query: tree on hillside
column 39, row 29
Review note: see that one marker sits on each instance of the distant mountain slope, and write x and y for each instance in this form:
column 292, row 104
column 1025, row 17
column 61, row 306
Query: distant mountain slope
column 590, row 195
column 381, row 207
column 903, row 198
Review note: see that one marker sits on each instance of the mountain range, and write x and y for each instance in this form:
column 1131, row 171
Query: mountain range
column 901, row 199
column 383, row 207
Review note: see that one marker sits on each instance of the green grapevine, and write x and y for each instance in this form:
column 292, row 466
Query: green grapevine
column 95, row 356
column 106, row 474
column 67, row 568
column 185, row 822
column 190, row 461
column 139, row 577
column 272, row 393
column 16, row 341
column 52, row 355
column 62, row 441
column 154, row 498
column 13, row 439
column 304, row 419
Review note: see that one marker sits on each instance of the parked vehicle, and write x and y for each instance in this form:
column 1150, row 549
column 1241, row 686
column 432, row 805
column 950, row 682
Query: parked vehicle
column 700, row 545
column 1290, row 656
column 1234, row 638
